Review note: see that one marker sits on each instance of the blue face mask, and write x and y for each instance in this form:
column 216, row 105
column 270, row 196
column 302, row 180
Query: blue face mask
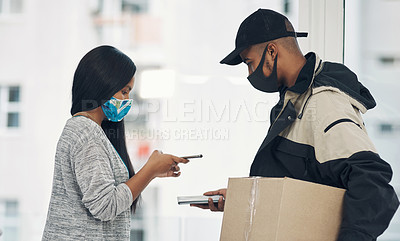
column 115, row 109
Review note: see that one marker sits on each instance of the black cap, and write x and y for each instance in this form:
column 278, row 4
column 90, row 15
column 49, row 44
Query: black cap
column 261, row 26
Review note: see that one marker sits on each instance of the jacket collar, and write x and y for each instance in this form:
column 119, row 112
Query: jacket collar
column 306, row 74
column 288, row 114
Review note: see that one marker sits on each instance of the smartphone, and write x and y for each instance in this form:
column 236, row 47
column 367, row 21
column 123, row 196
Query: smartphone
column 192, row 156
column 197, row 199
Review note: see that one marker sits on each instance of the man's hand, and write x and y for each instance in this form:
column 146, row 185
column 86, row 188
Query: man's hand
column 211, row 205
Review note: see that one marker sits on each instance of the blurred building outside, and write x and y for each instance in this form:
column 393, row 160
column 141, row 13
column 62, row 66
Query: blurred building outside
column 185, row 101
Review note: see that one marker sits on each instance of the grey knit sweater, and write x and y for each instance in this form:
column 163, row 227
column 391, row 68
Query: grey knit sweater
column 89, row 199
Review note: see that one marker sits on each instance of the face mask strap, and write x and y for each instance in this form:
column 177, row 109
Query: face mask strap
column 261, row 64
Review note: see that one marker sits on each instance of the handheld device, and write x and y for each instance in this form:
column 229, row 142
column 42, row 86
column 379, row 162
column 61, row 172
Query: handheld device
column 192, row 156
column 197, row 199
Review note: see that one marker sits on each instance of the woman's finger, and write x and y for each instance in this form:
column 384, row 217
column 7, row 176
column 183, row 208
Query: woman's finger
column 176, row 168
column 179, row 160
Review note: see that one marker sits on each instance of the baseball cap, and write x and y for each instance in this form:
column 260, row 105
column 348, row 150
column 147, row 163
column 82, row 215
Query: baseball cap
column 261, row 26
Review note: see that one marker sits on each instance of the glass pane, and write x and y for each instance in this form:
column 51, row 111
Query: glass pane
column 137, row 235
column 377, row 68
column 10, row 234
column 15, row 6
column 13, row 94
column 13, row 119
column 135, row 6
column 1, row 6
column 11, row 208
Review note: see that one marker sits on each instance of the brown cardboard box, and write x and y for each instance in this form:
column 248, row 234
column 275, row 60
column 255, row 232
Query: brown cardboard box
column 281, row 209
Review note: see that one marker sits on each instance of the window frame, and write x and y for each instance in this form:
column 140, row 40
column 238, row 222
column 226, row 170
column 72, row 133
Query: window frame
column 7, row 107
column 6, row 9
column 324, row 21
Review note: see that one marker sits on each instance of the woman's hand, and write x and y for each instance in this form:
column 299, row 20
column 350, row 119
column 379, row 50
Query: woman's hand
column 164, row 165
column 158, row 165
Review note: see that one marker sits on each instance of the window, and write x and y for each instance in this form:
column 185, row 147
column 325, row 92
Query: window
column 9, row 216
column 13, row 119
column 137, row 225
column 135, row 6
column 378, row 69
column 10, row 6
column 389, row 128
column 137, row 235
column 10, row 101
column 11, row 208
column 145, row 223
column 126, row 23
column 13, row 94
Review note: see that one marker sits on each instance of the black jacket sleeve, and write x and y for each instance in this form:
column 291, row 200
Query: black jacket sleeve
column 370, row 201
column 343, row 146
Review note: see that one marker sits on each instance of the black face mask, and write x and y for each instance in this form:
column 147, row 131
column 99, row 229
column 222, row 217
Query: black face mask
column 259, row 81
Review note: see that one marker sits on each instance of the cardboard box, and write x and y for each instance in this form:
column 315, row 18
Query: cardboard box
column 281, row 209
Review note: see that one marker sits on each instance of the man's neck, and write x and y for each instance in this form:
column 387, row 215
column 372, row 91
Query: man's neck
column 294, row 67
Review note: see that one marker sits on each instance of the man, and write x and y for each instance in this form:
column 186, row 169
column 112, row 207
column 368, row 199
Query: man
column 316, row 133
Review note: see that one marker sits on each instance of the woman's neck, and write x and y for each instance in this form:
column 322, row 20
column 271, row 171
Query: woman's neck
column 96, row 115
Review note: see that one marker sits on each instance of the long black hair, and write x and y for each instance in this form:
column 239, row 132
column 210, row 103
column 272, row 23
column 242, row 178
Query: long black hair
column 100, row 74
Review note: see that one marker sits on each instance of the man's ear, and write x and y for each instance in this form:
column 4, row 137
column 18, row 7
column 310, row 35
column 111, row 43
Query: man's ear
column 272, row 50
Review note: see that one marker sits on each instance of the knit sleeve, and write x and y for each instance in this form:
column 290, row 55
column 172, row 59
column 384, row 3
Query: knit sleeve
column 101, row 195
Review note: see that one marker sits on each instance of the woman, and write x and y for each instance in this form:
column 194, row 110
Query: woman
column 94, row 186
